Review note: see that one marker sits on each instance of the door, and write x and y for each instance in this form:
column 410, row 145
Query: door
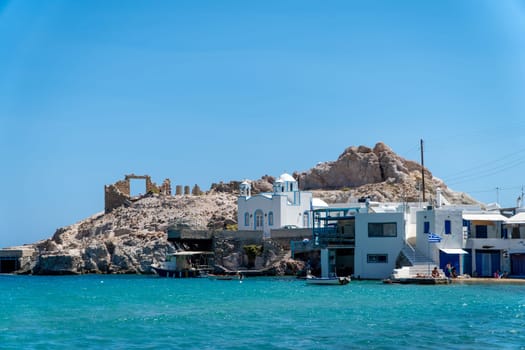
column 517, row 264
column 445, row 258
column 487, row 262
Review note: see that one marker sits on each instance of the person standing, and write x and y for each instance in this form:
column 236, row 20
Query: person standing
column 448, row 270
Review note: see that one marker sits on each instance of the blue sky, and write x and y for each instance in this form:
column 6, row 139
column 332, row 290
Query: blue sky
column 208, row 91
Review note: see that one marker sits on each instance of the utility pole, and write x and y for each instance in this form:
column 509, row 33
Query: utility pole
column 422, row 171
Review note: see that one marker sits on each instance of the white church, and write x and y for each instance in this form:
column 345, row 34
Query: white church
column 285, row 207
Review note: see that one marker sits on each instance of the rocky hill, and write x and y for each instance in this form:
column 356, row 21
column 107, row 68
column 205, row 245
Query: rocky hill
column 130, row 238
column 378, row 173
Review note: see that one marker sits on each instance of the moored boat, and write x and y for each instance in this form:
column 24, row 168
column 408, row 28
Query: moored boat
column 328, row 281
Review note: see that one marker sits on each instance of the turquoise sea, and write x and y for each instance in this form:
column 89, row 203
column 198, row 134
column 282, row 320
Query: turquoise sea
column 146, row 312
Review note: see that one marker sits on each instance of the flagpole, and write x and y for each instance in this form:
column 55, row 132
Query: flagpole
column 428, row 255
column 432, row 238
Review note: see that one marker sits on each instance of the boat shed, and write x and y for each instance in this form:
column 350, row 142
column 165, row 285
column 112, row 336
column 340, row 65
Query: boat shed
column 12, row 259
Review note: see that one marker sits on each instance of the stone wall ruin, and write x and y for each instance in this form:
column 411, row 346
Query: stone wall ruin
column 119, row 193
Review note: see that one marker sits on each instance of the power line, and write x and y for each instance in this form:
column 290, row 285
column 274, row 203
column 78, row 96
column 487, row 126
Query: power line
column 483, row 173
column 498, row 188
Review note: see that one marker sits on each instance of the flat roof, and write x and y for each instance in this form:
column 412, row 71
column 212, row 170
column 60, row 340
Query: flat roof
column 519, row 218
column 484, row 217
column 453, row 251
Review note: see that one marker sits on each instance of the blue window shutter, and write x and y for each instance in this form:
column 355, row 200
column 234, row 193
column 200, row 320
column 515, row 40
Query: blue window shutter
column 448, row 227
column 426, row 227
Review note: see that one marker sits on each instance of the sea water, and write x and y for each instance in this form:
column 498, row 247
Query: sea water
column 146, row 312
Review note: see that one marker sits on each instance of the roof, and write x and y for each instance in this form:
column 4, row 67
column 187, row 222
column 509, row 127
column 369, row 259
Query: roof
column 319, row 203
column 519, row 218
column 453, row 251
column 484, row 217
column 287, row 177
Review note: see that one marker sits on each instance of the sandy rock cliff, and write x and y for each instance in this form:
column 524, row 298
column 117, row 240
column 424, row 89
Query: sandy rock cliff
column 129, row 239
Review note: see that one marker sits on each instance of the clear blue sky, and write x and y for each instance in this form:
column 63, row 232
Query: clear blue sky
column 204, row 91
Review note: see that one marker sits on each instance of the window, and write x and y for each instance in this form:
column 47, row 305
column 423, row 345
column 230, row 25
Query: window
column 448, row 227
column 376, row 229
column 258, row 219
column 306, row 219
column 426, row 227
column 377, row 258
column 481, row 231
column 270, row 218
column 246, row 219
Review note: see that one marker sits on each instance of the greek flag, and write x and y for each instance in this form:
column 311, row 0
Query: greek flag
column 433, row 238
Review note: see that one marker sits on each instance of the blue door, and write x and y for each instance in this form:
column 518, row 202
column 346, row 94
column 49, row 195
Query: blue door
column 445, row 258
column 487, row 262
column 517, row 264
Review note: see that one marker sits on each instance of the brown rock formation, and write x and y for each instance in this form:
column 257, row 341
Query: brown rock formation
column 378, row 173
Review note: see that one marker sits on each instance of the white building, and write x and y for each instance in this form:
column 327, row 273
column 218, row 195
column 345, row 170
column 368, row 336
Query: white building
column 474, row 241
column 380, row 236
column 362, row 240
column 285, row 207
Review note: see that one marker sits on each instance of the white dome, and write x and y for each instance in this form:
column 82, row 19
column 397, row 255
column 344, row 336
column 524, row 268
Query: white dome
column 286, row 177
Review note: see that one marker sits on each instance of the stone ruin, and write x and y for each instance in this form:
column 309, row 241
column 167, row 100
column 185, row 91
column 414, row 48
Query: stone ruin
column 119, row 193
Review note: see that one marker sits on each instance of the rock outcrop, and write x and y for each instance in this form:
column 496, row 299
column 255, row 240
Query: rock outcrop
column 130, row 239
column 377, row 173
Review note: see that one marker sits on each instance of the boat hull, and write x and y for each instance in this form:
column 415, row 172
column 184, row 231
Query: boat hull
column 327, row 281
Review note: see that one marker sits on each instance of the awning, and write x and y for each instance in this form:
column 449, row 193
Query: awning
column 484, row 217
column 453, row 251
column 516, row 219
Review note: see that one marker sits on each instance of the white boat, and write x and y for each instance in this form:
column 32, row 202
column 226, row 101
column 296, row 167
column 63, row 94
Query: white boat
column 328, row 281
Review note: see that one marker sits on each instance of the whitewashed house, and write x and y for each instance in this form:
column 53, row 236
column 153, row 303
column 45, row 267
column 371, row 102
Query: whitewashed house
column 362, row 240
column 472, row 240
column 380, row 236
column 285, row 207
column 515, row 232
